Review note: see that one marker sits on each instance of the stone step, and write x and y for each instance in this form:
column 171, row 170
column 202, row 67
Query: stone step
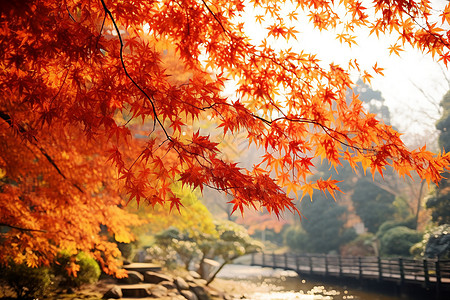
column 142, row 267
column 146, row 291
column 179, row 297
column 140, row 290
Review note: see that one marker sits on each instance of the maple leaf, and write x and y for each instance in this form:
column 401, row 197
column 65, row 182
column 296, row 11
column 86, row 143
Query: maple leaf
column 259, row 18
column 237, row 204
column 377, row 69
column 175, row 202
column 395, row 49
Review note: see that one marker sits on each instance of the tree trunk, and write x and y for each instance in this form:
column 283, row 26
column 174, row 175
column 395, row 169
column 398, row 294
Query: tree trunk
column 215, row 273
column 419, row 203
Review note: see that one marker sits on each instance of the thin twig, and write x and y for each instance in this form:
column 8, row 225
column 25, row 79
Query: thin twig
column 156, row 119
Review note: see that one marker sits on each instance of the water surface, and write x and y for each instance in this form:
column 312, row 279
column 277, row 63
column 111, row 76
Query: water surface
column 275, row 284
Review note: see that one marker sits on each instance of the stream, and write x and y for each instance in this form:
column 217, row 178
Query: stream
column 257, row 283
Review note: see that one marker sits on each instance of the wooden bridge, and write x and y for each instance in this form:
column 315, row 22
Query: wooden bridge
column 430, row 276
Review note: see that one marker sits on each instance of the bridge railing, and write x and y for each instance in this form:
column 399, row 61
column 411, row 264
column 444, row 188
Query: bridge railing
column 390, row 269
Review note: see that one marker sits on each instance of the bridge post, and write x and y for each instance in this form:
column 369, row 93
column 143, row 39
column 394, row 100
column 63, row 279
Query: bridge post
column 310, row 265
column 326, row 265
column 380, row 269
column 402, row 271
column 253, row 259
column 340, row 265
column 263, row 259
column 297, row 263
column 274, row 260
column 426, row 275
column 360, row 267
column 285, row 261
column 438, row 279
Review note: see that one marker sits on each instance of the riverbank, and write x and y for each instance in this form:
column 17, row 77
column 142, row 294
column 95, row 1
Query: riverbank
column 243, row 282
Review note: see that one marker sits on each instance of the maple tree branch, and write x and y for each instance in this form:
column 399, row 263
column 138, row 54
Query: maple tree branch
column 325, row 128
column 438, row 36
column 70, row 15
column 60, row 88
column 21, row 228
column 7, row 118
column 107, row 11
column 215, row 17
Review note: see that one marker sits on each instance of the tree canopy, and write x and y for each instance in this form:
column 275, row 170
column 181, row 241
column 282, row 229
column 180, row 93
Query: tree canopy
column 439, row 200
column 92, row 115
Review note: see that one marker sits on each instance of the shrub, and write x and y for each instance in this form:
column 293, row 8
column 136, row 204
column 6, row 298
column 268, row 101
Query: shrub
column 296, row 239
column 26, row 282
column 89, row 269
column 126, row 249
column 363, row 245
column 410, row 223
column 398, row 241
column 435, row 243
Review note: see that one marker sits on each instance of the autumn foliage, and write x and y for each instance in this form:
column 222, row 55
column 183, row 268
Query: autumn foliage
column 93, row 112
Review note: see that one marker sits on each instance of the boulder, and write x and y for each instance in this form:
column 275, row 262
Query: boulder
column 168, row 284
column 199, row 281
column 200, row 292
column 208, row 267
column 194, row 275
column 153, row 277
column 189, row 295
column 181, row 284
column 142, row 267
column 133, row 278
column 113, row 293
column 159, row 291
column 175, row 296
column 139, row 290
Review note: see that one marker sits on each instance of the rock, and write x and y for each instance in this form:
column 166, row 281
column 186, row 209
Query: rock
column 213, row 293
column 208, row 267
column 159, row 291
column 142, row 267
column 181, row 284
column 199, row 281
column 200, row 292
column 189, row 295
column 139, row 290
column 195, row 275
column 114, row 293
column 133, row 278
column 173, row 294
column 153, row 277
column 168, row 284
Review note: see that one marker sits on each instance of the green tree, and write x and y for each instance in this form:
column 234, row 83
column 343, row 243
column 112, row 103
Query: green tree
column 233, row 242
column 439, row 200
column 296, row 238
column 373, row 99
column 173, row 240
column 373, row 204
column 323, row 226
column 228, row 242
